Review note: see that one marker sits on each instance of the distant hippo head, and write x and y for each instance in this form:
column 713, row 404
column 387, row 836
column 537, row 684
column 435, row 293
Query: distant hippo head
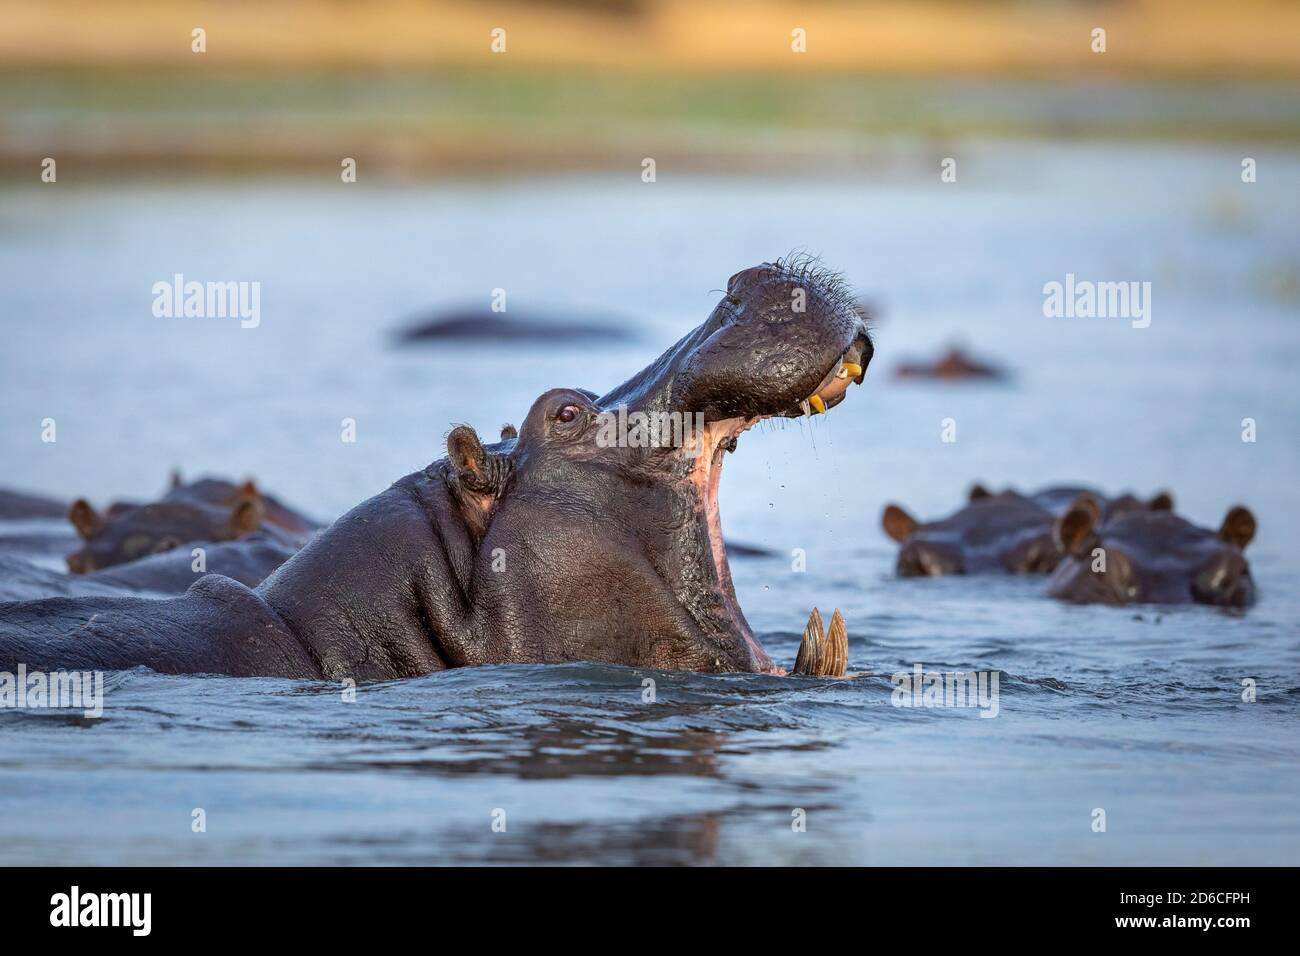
column 604, row 510
column 994, row 532
column 1153, row 557
column 1127, row 504
column 223, row 494
column 128, row 532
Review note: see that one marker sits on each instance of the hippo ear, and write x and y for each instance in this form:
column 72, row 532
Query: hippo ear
column 898, row 524
column 1238, row 527
column 1074, row 531
column 1163, row 501
column 475, row 468
column 1087, row 502
column 508, row 432
column 978, row 491
column 246, row 516
column 85, row 518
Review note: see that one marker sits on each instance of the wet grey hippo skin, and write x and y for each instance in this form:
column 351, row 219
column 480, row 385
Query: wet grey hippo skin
column 549, row 546
column 209, row 510
column 998, row 533
column 1152, row 557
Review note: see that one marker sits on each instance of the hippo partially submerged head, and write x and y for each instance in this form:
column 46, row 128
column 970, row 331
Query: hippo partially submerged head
column 1006, row 532
column 129, row 533
column 1153, row 557
column 592, row 534
column 207, row 510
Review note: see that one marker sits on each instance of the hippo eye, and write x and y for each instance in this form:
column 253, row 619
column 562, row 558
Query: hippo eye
column 166, row 544
column 567, row 414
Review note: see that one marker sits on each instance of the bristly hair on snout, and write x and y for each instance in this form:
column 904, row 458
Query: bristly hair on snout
column 805, row 268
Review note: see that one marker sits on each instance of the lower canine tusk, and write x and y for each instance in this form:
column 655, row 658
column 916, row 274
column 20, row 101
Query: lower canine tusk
column 822, row 653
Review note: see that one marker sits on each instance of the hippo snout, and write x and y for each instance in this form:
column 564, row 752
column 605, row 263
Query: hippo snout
column 919, row 559
column 1225, row 582
column 80, row 562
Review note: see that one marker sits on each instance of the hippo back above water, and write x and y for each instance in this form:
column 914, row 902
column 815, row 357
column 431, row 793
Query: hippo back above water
column 248, row 561
column 19, row 505
column 953, row 366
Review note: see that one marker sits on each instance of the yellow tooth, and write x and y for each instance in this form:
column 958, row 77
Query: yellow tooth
column 853, row 370
column 816, row 402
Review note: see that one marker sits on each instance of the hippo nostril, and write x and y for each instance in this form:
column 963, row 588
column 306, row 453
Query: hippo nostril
column 1223, row 581
column 927, row 561
column 936, row 566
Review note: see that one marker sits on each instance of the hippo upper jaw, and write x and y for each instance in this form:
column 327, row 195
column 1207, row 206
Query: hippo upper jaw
column 786, row 340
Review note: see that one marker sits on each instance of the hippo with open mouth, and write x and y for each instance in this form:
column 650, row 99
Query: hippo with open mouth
column 555, row 544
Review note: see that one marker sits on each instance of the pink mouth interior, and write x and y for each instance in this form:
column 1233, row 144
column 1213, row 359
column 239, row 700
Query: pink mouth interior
column 706, row 475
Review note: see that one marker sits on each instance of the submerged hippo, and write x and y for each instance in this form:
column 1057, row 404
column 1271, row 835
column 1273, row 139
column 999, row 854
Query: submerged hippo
column 248, row 561
column 1152, row 557
column 208, row 510
column 18, row 505
column 33, row 525
column 1006, row 532
column 564, row 543
column 953, row 366
column 494, row 328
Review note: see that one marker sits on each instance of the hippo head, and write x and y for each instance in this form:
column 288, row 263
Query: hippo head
column 928, row 550
column 601, row 517
column 994, row 532
column 1153, row 557
column 128, row 532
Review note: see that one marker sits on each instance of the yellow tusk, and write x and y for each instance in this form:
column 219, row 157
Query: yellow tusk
column 816, row 402
column 853, row 370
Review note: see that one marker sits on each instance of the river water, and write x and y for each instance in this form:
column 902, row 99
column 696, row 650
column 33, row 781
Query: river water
column 1135, row 712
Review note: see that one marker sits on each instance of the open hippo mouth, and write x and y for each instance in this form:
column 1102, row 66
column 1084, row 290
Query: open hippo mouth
column 721, row 437
column 787, row 341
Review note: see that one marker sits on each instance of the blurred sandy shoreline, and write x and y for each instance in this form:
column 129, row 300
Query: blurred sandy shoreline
column 1196, row 37
column 412, row 90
